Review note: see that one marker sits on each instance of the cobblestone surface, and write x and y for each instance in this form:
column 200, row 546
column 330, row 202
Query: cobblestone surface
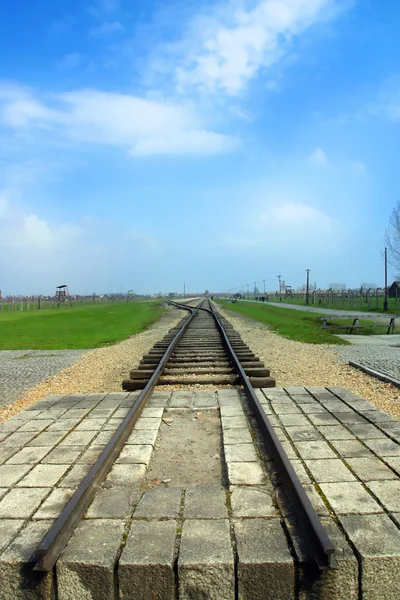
column 385, row 359
column 22, row 369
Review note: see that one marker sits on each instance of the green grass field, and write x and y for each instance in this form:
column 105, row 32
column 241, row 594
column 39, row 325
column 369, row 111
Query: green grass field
column 89, row 326
column 292, row 324
column 346, row 304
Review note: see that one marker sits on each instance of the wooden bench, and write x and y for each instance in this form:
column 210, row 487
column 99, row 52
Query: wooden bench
column 327, row 323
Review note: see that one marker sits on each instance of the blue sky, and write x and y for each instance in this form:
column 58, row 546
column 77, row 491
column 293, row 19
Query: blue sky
column 148, row 143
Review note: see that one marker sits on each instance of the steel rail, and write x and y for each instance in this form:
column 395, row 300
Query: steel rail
column 316, row 547
column 63, row 527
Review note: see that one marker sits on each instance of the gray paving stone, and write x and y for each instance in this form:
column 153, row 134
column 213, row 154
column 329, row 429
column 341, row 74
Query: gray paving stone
column 333, row 584
column 370, row 469
column 289, row 450
column 10, row 474
column 29, row 455
column 351, row 448
column 387, row 492
column 9, row 529
column 75, row 413
column 316, row 500
column 21, row 503
column 36, row 425
column 135, row 454
column 237, row 436
column 240, row 453
column 143, row 437
column 103, row 438
column 63, row 425
column 301, row 473
column 181, row 400
column 314, row 409
column 205, row 400
column 322, row 419
column 377, row 540
column 83, row 574
column 349, row 417
column 91, row 424
column 205, row 502
column 303, row 434
column 112, row 424
column 43, row 476
column 378, row 416
column 158, row 399
column 75, row 476
column 290, row 420
column 146, row 567
column 54, row 503
column 394, row 462
column 317, row 449
column 245, row 473
column 90, row 455
column 18, row 580
column 329, row 470
column 206, row 563
column 101, row 413
column 231, row 411
column 335, row 432
column 78, row 438
column 295, row 390
column 113, row 503
column 19, row 439
column 384, row 447
column 349, row 497
column 234, row 422
column 366, row 432
column 251, row 502
column 265, row 569
column 125, row 475
column 6, row 452
column 152, row 413
column 48, row 438
column 287, row 408
column 159, row 503
column 65, row 455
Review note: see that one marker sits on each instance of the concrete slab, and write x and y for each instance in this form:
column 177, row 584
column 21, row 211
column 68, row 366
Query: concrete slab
column 349, row 497
column 85, row 568
column 159, row 503
column 387, row 492
column 245, row 473
column 252, row 502
column 240, row 453
column 146, row 566
column 113, row 503
column 265, row 569
column 237, row 436
column 205, row 502
column 21, row 503
column 329, row 470
column 206, row 562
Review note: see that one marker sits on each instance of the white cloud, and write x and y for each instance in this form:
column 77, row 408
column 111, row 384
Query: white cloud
column 230, row 48
column 294, row 214
column 142, row 126
column 357, row 168
column 319, row 158
column 106, row 28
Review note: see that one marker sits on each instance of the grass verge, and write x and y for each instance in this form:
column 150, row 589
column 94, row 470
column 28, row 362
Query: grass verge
column 292, row 324
column 80, row 327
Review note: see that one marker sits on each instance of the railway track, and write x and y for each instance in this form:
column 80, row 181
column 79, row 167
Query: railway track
column 202, row 342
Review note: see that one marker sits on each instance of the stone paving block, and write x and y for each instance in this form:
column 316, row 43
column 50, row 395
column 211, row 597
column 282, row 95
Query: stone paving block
column 267, row 409
column 387, row 492
column 54, row 503
column 101, row 413
column 229, row 393
column 232, row 400
column 27, row 415
column 349, row 497
column 377, row 540
column 9, row 529
column 301, row 473
column 206, row 563
column 366, row 432
column 135, row 454
column 90, row 455
column 316, row 500
column 21, row 503
column 314, row 409
column 10, row 474
column 252, row 502
column 146, row 566
column 303, row 434
column 378, row 416
column 63, row 425
column 112, row 424
column 158, row 399
column 322, row 419
column 181, row 400
column 274, row 420
column 10, row 426
column 265, row 570
column 159, row 503
column 231, row 411
column 335, row 432
column 113, row 503
column 329, row 470
column 6, row 452
column 291, row 419
column 351, row 448
column 394, row 462
column 240, row 453
column 144, row 423
column 43, row 476
column 75, row 476
column 286, row 408
column 234, row 422
column 370, row 469
column 245, row 473
column 65, row 455
column 237, row 436
column 289, row 450
column 18, row 580
column 103, row 438
column 153, row 413
column 295, row 389
column 83, row 574
column 125, row 475
column 91, row 424
column 333, row 584
column 384, row 447
column 75, row 413
column 50, row 438
column 143, row 437
column 349, row 417
column 205, row 502
column 36, row 425
column 334, row 407
column 78, row 438
column 392, row 430
column 19, row 439
column 205, row 400
column 304, row 399
column 318, row 449
column 29, row 455
column 121, row 413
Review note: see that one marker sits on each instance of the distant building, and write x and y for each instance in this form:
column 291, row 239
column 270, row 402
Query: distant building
column 394, row 290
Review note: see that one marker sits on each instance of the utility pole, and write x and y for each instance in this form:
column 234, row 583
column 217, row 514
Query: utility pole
column 255, row 283
column 247, row 291
column 280, row 289
column 385, row 302
column 307, row 287
column 264, row 286
column 184, row 290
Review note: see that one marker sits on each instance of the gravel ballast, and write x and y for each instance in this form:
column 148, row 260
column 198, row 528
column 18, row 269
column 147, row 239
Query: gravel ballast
column 291, row 363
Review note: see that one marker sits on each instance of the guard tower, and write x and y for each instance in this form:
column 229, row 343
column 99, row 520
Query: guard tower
column 62, row 296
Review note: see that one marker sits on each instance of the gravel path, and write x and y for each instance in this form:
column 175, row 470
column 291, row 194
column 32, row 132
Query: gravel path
column 22, row 369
